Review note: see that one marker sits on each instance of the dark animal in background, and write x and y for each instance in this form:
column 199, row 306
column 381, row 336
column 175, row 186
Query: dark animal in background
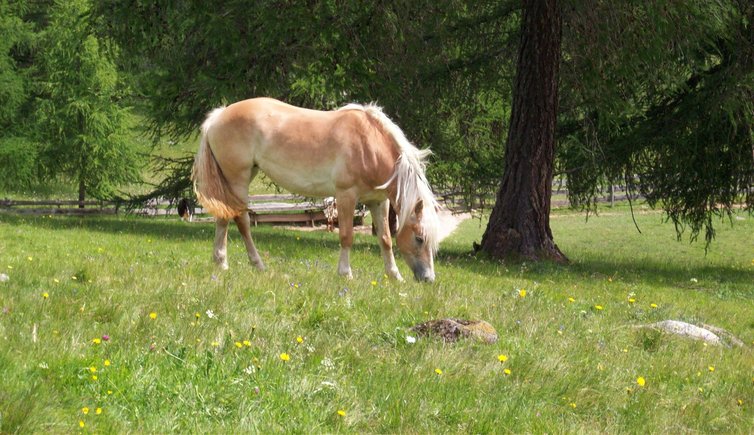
column 184, row 210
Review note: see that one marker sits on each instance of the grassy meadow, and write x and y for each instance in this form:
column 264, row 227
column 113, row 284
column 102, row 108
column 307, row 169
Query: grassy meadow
column 122, row 324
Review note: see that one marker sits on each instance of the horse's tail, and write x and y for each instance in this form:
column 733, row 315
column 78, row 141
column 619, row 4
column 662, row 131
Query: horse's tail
column 210, row 185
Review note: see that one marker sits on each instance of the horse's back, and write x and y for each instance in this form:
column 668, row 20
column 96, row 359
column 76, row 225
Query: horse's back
column 306, row 151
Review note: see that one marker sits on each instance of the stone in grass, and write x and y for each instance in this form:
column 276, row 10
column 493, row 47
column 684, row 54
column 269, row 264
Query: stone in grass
column 707, row 333
column 451, row 330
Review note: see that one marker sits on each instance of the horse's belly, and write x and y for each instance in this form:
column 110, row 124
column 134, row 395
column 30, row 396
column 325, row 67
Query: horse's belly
column 306, row 182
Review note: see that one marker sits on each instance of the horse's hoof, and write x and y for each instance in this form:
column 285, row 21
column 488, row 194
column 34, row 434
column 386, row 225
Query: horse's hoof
column 346, row 275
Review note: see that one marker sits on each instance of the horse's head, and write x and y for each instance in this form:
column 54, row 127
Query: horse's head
column 416, row 248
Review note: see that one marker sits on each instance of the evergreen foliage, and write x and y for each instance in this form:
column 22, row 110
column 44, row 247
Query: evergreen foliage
column 62, row 114
column 668, row 111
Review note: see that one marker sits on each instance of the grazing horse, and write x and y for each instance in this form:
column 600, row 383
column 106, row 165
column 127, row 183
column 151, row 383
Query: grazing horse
column 355, row 153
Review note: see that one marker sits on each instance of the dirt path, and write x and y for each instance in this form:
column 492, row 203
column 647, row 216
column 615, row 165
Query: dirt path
column 449, row 221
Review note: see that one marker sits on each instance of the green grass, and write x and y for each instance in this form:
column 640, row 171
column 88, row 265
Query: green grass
column 571, row 363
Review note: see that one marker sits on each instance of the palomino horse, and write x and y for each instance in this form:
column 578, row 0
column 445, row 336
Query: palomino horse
column 355, row 153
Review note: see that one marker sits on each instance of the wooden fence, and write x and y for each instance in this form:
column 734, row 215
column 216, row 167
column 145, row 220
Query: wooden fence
column 276, row 208
column 65, row 207
column 262, row 209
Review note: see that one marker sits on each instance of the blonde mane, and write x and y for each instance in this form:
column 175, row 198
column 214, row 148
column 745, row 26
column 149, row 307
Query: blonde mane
column 409, row 176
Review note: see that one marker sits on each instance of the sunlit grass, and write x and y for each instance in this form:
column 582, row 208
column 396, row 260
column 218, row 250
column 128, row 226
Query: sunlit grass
column 298, row 349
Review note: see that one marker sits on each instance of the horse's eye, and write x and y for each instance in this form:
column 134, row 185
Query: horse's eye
column 420, row 240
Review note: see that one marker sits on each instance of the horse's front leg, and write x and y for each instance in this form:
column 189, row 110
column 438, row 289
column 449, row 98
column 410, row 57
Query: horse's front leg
column 346, row 202
column 380, row 215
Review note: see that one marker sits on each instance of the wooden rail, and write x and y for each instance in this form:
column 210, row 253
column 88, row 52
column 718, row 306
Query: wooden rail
column 64, row 207
column 271, row 208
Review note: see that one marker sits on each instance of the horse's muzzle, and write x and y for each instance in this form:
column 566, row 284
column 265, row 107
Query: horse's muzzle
column 424, row 274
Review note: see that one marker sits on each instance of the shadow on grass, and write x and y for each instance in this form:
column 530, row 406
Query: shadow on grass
column 602, row 267
column 454, row 255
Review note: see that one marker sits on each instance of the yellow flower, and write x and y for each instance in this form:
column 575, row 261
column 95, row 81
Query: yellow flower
column 507, row 372
column 598, row 307
column 152, row 315
column 81, row 423
column 299, row 339
column 45, row 295
column 502, row 358
column 109, row 392
column 29, row 258
column 285, row 357
column 96, row 341
column 341, row 413
column 572, row 404
column 94, row 377
column 197, row 315
column 438, row 371
column 374, row 282
column 640, row 380
column 215, row 344
column 85, row 410
column 107, row 363
column 711, row 368
column 93, row 369
column 55, row 280
column 572, row 300
column 522, row 293
column 631, row 300
column 247, row 343
column 98, row 411
column 653, row 305
column 238, row 344
column 740, row 402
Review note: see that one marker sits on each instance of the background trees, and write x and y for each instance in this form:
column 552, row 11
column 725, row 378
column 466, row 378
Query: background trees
column 64, row 110
column 17, row 158
column 654, row 95
column 81, row 126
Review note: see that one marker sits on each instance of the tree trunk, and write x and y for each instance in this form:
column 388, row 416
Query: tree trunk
column 519, row 225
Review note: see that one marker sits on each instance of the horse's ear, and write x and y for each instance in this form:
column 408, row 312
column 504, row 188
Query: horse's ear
column 419, row 207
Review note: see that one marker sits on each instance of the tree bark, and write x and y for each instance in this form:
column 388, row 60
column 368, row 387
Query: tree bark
column 519, row 225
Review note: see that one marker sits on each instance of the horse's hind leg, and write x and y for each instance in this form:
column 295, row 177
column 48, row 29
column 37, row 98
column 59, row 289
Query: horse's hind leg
column 380, row 216
column 220, row 254
column 244, row 227
column 243, row 222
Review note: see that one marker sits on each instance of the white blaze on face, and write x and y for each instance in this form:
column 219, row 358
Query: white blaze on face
column 417, row 250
